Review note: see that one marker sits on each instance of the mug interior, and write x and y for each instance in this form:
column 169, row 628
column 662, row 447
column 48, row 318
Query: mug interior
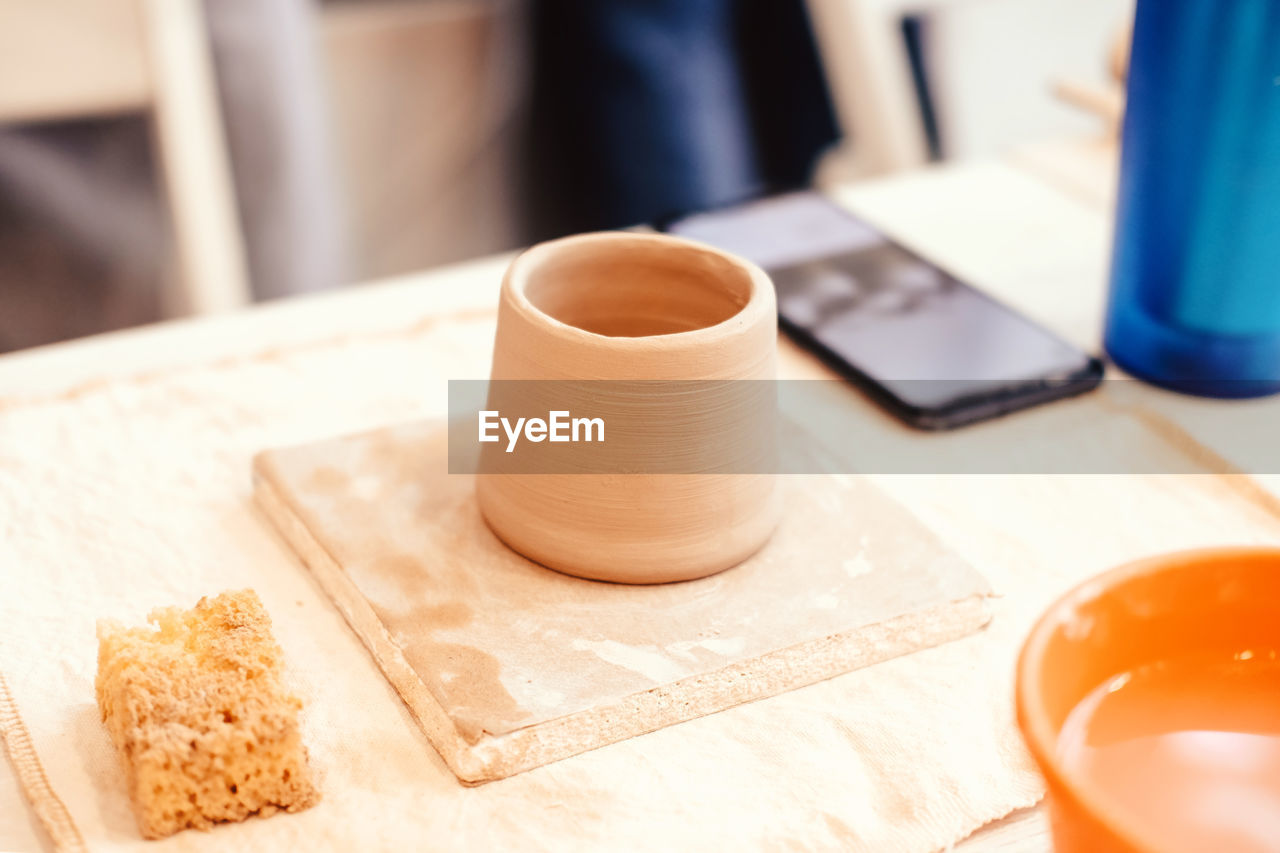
column 637, row 288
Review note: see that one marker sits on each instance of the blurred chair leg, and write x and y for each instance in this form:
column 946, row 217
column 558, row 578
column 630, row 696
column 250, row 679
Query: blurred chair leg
column 192, row 152
column 869, row 75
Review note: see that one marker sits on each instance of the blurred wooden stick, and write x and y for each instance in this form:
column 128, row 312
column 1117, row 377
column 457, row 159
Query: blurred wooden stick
column 1103, row 100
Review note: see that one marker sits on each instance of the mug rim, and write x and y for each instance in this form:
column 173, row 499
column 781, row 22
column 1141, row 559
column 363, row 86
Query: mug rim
column 1032, row 716
column 759, row 300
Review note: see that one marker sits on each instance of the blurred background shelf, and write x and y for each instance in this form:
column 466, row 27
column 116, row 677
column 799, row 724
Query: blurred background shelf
column 156, row 161
column 109, row 74
column 62, row 60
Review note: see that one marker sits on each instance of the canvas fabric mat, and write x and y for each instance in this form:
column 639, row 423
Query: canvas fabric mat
column 125, row 495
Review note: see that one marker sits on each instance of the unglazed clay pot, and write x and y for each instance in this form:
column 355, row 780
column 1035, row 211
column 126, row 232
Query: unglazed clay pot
column 617, row 306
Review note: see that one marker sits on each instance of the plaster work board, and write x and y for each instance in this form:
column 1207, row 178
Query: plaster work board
column 508, row 665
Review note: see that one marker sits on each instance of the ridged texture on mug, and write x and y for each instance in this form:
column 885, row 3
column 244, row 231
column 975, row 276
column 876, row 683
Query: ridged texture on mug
column 616, row 306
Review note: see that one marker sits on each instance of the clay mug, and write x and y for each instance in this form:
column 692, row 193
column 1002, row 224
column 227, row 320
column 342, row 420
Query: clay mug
column 634, row 307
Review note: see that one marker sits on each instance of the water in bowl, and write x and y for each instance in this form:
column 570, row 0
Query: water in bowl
column 1188, row 751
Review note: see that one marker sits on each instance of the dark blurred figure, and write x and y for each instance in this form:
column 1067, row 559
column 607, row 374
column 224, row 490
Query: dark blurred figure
column 645, row 108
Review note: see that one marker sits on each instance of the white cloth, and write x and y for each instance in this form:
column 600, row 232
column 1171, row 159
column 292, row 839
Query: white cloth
column 126, row 495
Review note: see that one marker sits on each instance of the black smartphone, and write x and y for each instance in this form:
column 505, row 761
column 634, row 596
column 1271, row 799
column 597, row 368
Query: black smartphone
column 933, row 350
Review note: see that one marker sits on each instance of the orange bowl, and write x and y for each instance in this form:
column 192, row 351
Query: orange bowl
column 1175, row 606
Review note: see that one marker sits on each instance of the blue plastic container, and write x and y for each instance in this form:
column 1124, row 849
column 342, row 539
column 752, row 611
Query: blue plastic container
column 1195, row 279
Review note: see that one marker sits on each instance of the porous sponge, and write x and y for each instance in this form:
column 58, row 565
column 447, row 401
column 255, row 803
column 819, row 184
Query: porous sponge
column 200, row 717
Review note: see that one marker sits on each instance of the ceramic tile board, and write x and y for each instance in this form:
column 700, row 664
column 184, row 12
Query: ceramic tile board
column 508, row 665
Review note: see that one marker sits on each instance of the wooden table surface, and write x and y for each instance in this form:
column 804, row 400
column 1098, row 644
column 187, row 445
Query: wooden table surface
column 999, row 225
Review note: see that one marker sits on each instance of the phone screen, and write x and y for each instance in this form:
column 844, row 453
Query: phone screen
column 926, row 339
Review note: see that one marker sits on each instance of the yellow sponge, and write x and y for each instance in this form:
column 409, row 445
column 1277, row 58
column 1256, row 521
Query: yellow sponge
column 200, row 717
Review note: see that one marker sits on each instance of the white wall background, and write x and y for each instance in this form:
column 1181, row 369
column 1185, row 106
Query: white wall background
column 993, row 61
